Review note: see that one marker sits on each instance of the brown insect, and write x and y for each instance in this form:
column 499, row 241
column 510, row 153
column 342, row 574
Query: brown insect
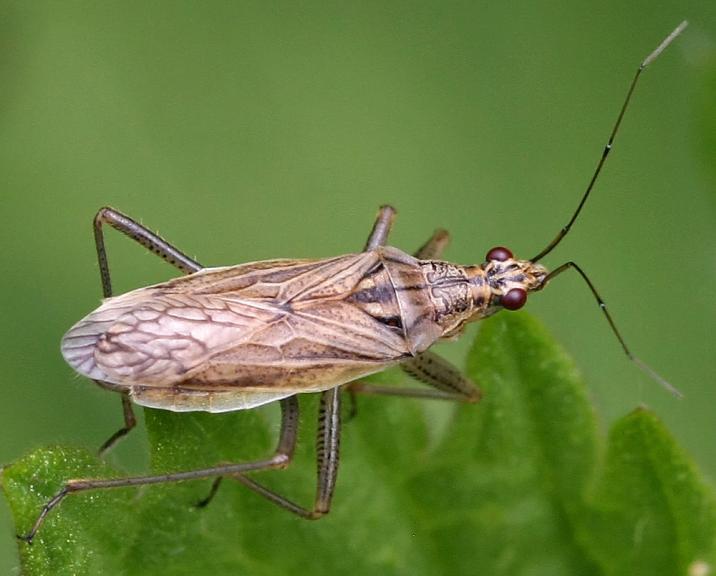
column 233, row 338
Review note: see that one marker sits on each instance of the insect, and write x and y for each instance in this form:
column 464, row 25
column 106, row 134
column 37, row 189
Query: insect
column 237, row 337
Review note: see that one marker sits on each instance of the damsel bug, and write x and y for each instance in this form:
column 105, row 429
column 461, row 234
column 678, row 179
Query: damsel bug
column 233, row 338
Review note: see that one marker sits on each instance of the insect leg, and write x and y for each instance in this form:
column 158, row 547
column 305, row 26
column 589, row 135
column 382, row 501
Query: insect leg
column 327, row 450
column 281, row 458
column 153, row 242
column 327, row 453
column 447, row 381
column 204, row 502
column 433, row 248
column 129, row 422
column 381, row 228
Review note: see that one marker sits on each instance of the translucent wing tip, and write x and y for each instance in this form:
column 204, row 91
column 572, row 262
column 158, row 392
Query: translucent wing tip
column 78, row 347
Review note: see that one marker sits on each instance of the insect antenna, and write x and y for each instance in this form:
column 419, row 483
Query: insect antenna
column 648, row 60
column 653, row 374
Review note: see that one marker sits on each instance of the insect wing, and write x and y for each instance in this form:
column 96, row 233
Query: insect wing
column 275, row 327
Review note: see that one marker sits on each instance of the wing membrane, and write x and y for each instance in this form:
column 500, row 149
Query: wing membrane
column 280, row 326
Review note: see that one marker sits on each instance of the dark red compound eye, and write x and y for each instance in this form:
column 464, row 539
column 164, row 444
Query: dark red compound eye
column 499, row 253
column 514, row 299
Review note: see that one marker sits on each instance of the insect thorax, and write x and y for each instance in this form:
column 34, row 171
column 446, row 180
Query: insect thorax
column 458, row 293
column 423, row 300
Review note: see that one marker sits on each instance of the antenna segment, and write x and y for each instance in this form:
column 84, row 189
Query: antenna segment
column 648, row 60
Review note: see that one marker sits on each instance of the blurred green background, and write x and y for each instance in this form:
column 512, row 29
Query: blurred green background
column 250, row 130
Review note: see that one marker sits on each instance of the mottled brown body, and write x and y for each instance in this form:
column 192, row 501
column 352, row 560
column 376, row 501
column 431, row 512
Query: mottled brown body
column 237, row 337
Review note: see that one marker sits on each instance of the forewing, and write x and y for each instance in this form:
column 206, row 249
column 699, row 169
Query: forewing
column 149, row 335
column 280, row 281
column 261, row 326
column 165, row 338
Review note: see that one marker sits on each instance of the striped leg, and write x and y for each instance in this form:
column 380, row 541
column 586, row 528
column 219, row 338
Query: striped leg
column 327, row 451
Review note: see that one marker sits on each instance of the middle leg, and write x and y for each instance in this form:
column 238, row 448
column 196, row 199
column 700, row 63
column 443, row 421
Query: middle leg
column 381, row 228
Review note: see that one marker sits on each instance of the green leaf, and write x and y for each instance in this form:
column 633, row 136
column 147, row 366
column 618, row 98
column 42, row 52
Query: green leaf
column 524, row 462
column 652, row 513
column 511, row 486
column 87, row 534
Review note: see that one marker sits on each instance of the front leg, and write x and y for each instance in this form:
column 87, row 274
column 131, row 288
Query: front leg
column 433, row 249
